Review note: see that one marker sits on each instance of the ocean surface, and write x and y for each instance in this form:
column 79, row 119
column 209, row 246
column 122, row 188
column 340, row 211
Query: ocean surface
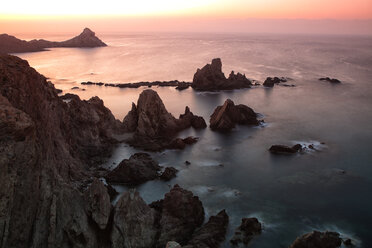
column 329, row 188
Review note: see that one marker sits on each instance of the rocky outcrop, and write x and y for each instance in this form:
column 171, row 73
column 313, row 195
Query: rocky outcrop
column 225, row 117
column 211, row 78
column 318, row 239
column 98, row 203
column 154, row 127
column 282, row 149
column 246, row 231
column 180, row 143
column 181, row 214
column 10, row 44
column 168, row 174
column 44, row 160
column 330, row 80
column 134, row 223
column 138, row 169
column 270, row 82
column 211, row 234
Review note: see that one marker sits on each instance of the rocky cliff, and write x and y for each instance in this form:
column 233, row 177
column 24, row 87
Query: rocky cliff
column 11, row 44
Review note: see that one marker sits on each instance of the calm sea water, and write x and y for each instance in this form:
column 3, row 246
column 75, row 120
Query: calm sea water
column 290, row 195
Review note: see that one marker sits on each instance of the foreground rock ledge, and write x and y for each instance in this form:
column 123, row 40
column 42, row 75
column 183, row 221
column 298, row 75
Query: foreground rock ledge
column 318, row 239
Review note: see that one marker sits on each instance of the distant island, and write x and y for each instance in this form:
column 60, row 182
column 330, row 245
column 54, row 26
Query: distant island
column 11, row 44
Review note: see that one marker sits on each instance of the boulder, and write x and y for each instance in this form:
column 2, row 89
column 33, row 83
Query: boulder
column 168, row 174
column 246, row 231
column 98, row 203
column 138, row 169
column 318, row 239
column 270, row 82
column 181, row 214
column 211, row 78
column 225, row 117
column 180, row 143
column 211, row 234
column 189, row 119
column 134, row 223
column 282, row 149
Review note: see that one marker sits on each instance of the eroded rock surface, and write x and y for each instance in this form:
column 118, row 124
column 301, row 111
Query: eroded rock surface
column 246, row 231
column 225, row 117
column 318, row 239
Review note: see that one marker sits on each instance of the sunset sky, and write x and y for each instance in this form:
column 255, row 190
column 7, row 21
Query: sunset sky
column 24, row 15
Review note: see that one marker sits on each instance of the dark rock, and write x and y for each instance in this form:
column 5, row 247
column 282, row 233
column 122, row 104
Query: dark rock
column 318, row 240
column 182, row 213
column 282, row 149
column 98, row 203
column 138, row 169
column 154, row 127
column 179, row 143
column 331, row 80
column 59, row 91
column 10, row 44
column 211, row 77
column 297, row 147
column 190, row 140
column 75, row 88
column 246, row 231
column 187, row 162
column 182, row 86
column 189, row 119
column 225, row 117
column 270, row 82
column 348, row 242
column 168, row 173
column 111, row 191
column 134, row 222
column 211, row 234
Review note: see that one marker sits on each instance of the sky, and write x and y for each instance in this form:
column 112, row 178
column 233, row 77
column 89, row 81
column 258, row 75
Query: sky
column 288, row 16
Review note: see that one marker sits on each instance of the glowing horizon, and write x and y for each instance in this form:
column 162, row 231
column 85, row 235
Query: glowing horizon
column 288, row 9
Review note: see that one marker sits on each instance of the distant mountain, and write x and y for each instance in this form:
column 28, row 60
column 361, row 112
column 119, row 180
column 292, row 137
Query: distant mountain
column 11, row 44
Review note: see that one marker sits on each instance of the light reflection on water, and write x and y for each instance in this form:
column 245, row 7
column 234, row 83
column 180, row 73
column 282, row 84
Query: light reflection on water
column 291, row 195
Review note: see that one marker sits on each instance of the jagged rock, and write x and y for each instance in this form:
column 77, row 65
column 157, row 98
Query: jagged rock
column 134, row 223
column 318, row 240
column 169, row 173
column 270, row 82
column 282, row 149
column 226, row 116
column 138, row 169
column 331, row 80
column 211, row 234
column 111, row 191
column 155, row 127
column 189, row 119
column 179, row 143
column 246, row 231
column 131, row 119
column 10, row 44
column 211, row 77
column 182, row 213
column 44, row 160
column 98, row 203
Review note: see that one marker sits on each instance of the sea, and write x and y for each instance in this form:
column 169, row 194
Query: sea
column 325, row 188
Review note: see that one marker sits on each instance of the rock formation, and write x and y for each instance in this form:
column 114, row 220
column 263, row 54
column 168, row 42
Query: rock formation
column 10, row 44
column 138, row 169
column 153, row 126
column 246, row 231
column 211, row 234
column 270, row 82
column 211, row 78
column 44, row 159
column 225, row 117
column 169, row 173
column 318, row 239
column 330, row 80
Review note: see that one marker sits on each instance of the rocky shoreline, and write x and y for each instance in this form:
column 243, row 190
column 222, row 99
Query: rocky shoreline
column 51, row 150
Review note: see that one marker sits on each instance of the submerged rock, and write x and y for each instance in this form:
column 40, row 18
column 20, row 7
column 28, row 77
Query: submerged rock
column 331, row 80
column 270, row 82
column 246, row 231
column 211, row 234
column 318, row 240
column 179, row 143
column 282, row 149
column 225, row 117
column 211, row 77
column 134, row 223
column 138, row 169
